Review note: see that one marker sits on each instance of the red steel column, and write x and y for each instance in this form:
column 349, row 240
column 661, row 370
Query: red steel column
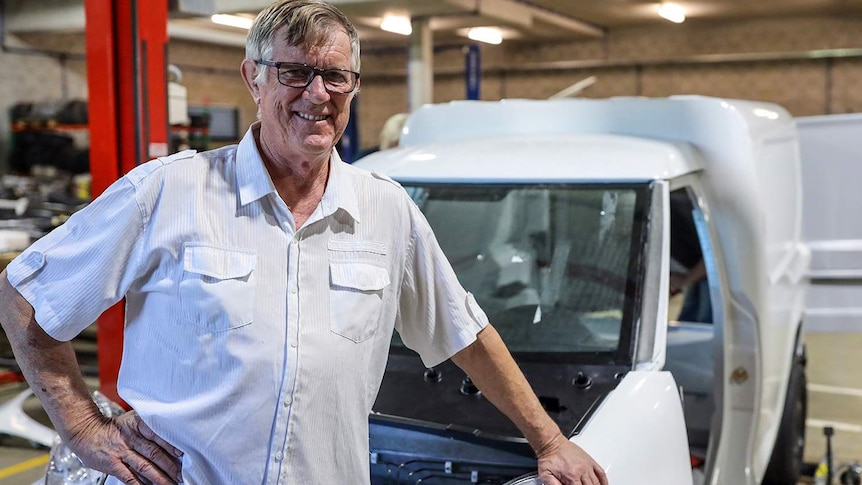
column 127, row 83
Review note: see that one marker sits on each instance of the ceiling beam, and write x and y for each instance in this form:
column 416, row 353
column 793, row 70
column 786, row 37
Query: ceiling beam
column 255, row 6
column 236, row 6
column 184, row 31
column 44, row 16
column 517, row 14
column 508, row 11
column 568, row 23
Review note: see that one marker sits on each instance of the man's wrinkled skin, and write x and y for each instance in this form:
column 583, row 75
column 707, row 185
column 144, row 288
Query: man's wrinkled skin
column 124, row 446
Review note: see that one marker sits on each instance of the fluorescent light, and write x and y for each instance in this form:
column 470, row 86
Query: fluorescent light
column 672, row 11
column 489, row 35
column 396, row 24
column 232, row 21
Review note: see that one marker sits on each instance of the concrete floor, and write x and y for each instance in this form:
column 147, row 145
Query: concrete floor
column 834, row 395
column 834, row 387
column 21, row 462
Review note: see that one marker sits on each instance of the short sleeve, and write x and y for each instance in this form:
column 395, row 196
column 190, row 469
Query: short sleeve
column 437, row 317
column 77, row 271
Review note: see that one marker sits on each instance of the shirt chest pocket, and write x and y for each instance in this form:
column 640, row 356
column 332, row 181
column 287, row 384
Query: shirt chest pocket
column 356, row 298
column 217, row 287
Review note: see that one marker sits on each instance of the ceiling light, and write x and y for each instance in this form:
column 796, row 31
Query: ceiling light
column 232, row 21
column 396, row 24
column 489, row 35
column 672, row 11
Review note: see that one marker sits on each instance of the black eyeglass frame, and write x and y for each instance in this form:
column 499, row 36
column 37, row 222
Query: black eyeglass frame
column 315, row 72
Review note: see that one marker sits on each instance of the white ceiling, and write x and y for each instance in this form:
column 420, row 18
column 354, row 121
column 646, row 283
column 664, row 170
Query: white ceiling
column 522, row 20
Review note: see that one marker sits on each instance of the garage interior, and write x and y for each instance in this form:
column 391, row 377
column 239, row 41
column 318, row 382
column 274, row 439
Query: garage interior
column 804, row 55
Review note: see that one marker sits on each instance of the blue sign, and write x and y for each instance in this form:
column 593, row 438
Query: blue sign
column 348, row 145
column 473, row 71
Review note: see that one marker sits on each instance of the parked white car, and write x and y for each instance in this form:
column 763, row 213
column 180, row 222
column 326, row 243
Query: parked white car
column 558, row 216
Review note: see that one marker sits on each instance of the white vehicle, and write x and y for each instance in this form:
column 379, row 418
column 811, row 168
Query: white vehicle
column 558, row 216
column 831, row 150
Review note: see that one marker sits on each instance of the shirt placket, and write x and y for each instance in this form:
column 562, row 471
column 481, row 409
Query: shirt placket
column 278, row 451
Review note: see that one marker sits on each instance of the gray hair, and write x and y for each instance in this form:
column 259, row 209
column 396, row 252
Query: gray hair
column 308, row 23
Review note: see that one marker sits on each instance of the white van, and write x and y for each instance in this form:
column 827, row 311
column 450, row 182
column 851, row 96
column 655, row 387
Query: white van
column 568, row 220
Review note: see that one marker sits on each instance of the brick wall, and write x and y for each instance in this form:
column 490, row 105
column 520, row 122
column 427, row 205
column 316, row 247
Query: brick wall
column 212, row 76
column 655, row 61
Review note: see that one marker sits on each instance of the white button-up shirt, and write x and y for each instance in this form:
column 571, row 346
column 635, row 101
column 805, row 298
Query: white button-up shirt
column 256, row 349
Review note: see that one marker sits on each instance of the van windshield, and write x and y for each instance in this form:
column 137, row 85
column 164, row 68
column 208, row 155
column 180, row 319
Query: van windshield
column 557, row 268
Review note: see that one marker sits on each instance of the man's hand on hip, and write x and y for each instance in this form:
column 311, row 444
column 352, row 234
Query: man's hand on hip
column 126, row 448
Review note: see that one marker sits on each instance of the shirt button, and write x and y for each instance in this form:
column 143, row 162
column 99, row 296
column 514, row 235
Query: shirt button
column 293, row 289
column 293, row 343
column 278, row 456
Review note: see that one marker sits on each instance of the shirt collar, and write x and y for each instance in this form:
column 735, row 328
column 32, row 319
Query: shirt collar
column 254, row 183
column 339, row 193
column 252, row 178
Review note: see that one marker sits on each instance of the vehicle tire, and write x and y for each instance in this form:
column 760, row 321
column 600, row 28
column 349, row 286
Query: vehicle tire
column 786, row 462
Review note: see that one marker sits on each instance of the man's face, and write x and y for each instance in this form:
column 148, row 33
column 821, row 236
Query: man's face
column 304, row 123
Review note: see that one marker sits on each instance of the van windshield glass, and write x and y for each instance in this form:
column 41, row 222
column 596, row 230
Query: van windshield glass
column 557, row 268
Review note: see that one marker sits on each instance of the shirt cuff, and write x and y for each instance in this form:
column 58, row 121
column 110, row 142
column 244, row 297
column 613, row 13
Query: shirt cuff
column 466, row 334
column 21, row 273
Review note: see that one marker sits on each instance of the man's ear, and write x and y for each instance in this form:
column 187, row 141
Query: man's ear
column 248, row 69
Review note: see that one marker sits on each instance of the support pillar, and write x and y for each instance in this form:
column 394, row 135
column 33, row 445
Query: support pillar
column 127, row 83
column 420, row 65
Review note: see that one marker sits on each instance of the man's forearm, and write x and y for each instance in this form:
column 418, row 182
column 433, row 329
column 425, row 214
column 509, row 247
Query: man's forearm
column 491, row 367
column 50, row 366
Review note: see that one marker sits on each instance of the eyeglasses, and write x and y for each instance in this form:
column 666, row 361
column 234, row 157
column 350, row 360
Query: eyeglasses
column 295, row 75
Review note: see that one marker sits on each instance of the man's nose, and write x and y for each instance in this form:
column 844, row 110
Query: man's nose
column 317, row 87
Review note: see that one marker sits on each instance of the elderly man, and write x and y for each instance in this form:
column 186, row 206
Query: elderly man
column 262, row 284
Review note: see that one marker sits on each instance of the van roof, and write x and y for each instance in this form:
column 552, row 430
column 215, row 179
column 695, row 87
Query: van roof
column 537, row 158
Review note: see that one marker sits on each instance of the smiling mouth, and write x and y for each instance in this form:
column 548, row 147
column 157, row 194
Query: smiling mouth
column 311, row 117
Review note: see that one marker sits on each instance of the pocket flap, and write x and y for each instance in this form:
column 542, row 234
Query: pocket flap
column 217, row 262
column 359, row 276
column 356, row 246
